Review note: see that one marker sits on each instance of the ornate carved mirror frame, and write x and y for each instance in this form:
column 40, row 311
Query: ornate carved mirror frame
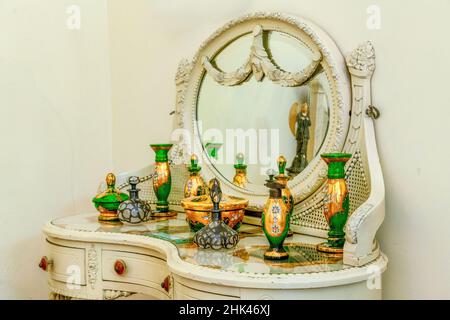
column 325, row 53
column 350, row 128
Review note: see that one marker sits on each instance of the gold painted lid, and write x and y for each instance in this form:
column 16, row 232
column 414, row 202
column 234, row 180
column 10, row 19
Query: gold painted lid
column 228, row 203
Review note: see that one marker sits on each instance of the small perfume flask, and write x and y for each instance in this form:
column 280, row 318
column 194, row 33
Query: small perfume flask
column 275, row 221
column 240, row 178
column 195, row 185
column 108, row 201
column 217, row 234
column 134, row 210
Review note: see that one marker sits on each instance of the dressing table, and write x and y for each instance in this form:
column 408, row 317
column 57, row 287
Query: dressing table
column 250, row 74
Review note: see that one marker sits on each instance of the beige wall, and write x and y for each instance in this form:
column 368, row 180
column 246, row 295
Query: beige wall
column 410, row 85
column 73, row 101
column 55, row 128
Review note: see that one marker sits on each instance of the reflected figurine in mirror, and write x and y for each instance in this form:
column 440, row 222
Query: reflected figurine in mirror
column 302, row 124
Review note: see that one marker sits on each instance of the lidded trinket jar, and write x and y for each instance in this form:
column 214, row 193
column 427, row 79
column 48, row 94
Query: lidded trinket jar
column 240, row 178
column 275, row 221
column 134, row 210
column 195, row 185
column 198, row 210
column 108, row 201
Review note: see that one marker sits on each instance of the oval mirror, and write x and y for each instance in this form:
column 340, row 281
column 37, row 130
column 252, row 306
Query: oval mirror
column 262, row 86
column 260, row 120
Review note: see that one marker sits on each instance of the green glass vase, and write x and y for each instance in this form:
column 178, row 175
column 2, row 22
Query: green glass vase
column 162, row 180
column 336, row 202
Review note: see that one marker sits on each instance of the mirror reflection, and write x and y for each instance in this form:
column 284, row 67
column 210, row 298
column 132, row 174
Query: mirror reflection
column 245, row 127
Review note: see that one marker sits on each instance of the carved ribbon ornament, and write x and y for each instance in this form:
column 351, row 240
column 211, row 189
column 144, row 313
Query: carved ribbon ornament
column 260, row 65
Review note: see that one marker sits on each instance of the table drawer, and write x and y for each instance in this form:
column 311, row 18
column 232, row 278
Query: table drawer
column 186, row 293
column 137, row 269
column 67, row 264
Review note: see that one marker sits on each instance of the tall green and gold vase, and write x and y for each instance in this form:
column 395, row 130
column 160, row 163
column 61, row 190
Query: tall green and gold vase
column 285, row 192
column 336, row 202
column 162, row 180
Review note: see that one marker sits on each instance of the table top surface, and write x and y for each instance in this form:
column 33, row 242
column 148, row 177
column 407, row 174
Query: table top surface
column 246, row 257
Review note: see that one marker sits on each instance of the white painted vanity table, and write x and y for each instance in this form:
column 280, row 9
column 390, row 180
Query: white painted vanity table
column 89, row 260
column 159, row 260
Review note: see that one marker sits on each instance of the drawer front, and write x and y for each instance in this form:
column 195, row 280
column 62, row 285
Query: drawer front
column 186, row 293
column 136, row 269
column 67, row 264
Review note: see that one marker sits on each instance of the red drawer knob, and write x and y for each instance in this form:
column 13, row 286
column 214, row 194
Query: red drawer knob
column 166, row 284
column 45, row 263
column 120, row 267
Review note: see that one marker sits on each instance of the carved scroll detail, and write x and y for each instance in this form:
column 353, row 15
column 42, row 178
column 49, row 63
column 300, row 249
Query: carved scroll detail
column 92, row 266
column 355, row 221
column 114, row 294
column 260, row 65
column 58, row 296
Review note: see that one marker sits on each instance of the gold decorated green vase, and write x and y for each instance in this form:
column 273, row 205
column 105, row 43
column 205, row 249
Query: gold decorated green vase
column 162, row 180
column 275, row 221
column 286, row 194
column 336, row 202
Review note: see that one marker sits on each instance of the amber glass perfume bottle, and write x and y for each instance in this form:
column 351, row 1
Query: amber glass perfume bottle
column 275, row 221
column 195, row 185
column 240, row 178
